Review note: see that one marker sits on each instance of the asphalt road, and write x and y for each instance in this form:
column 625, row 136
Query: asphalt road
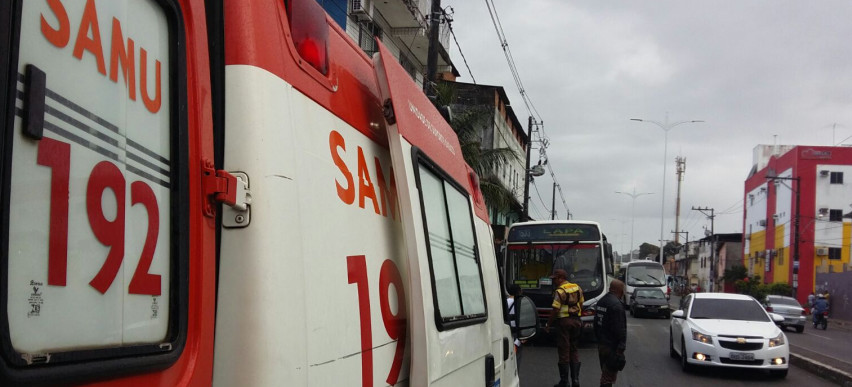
column 649, row 364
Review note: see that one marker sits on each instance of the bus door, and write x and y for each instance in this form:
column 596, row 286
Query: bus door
column 101, row 223
column 451, row 342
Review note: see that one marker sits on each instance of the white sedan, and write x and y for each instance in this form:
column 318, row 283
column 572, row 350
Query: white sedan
column 728, row 330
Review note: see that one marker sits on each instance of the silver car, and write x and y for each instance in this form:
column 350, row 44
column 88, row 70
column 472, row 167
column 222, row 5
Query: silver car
column 794, row 314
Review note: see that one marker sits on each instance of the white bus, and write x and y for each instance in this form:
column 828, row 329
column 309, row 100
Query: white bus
column 642, row 274
column 534, row 249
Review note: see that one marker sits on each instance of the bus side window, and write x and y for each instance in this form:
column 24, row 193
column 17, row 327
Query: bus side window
column 456, row 273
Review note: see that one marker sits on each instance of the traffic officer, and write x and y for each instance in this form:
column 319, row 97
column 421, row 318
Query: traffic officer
column 611, row 332
column 567, row 307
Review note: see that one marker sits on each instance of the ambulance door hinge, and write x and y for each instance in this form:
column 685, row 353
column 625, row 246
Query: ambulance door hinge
column 220, row 186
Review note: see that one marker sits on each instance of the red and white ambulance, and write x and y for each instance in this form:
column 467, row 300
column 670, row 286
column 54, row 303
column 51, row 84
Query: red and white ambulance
column 232, row 192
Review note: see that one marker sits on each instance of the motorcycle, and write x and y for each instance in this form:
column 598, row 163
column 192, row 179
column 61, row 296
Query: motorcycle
column 821, row 319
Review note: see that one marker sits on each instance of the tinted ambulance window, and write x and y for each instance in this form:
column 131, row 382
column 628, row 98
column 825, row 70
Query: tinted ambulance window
column 456, row 273
column 92, row 186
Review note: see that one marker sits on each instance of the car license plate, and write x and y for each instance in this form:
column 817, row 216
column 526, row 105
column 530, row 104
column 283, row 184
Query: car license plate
column 652, row 309
column 741, row 356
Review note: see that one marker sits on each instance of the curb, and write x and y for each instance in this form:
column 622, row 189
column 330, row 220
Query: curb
column 822, row 370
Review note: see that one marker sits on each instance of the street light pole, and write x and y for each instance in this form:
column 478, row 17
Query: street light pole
column 665, row 126
column 633, row 195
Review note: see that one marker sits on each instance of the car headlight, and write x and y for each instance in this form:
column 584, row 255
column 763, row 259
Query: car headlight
column 664, row 306
column 778, row 341
column 698, row 336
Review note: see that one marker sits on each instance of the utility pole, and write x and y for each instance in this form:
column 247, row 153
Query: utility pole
column 685, row 250
column 680, row 163
column 526, row 214
column 432, row 54
column 553, row 203
column 712, row 218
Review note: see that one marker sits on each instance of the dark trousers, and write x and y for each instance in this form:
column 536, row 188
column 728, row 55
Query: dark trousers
column 608, row 376
column 567, row 337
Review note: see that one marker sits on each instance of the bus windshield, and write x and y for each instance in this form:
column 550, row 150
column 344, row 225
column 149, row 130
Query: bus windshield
column 645, row 275
column 530, row 266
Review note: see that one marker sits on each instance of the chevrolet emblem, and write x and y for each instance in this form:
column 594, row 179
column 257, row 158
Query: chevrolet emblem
column 741, row 340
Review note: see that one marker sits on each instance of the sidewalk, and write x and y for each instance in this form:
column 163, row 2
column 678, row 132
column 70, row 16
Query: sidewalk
column 826, row 367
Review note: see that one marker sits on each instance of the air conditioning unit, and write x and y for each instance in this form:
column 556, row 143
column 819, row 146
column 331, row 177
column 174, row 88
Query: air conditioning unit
column 823, row 210
column 824, row 173
column 775, row 216
column 361, row 9
column 762, row 222
column 822, row 251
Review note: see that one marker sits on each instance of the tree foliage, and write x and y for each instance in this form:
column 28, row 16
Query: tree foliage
column 469, row 123
column 648, row 250
column 752, row 286
column 735, row 273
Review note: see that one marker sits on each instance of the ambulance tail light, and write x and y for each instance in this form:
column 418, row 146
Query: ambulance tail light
column 309, row 31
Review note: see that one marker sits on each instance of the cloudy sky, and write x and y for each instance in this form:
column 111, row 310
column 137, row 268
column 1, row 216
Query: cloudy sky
column 757, row 72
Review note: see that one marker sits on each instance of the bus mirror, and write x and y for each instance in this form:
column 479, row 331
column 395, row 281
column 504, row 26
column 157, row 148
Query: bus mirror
column 526, row 318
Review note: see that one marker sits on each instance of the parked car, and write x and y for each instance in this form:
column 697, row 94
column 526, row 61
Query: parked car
column 649, row 301
column 789, row 307
column 728, row 330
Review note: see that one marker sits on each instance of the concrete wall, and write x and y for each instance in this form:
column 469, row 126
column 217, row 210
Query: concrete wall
column 839, row 286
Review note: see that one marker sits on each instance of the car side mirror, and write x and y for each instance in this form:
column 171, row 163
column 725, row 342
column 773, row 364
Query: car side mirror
column 777, row 318
column 526, row 318
column 677, row 313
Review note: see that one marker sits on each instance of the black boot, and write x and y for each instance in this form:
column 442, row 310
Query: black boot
column 575, row 374
column 606, row 385
column 564, row 375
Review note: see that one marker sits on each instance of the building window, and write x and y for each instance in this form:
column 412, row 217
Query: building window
column 837, row 178
column 834, row 253
column 835, row 215
column 367, row 34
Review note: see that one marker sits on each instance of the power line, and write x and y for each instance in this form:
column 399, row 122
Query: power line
column 453, row 33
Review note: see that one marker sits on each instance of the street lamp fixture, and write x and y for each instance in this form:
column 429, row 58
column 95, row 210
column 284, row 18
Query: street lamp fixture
column 665, row 126
column 633, row 195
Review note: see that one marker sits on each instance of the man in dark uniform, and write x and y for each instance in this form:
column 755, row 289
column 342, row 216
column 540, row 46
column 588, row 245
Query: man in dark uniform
column 611, row 332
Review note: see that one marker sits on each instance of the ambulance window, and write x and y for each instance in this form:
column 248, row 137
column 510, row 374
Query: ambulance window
column 93, row 213
column 456, row 275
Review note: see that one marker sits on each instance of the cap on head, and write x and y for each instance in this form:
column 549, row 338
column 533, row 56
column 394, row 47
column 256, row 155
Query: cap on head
column 559, row 273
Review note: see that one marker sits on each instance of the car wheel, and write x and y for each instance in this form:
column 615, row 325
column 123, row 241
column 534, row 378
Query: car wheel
column 684, row 364
column 672, row 351
column 780, row 374
column 800, row 329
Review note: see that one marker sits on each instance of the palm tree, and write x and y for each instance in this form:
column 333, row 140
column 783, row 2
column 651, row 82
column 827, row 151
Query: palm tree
column 468, row 121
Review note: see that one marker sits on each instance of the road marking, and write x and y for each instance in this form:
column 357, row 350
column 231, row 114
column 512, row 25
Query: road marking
column 820, row 336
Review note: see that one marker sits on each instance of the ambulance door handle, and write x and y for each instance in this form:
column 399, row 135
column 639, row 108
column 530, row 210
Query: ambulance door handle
column 35, row 86
column 505, row 348
column 490, row 375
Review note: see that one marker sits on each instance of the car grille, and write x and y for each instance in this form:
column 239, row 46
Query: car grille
column 740, row 346
column 726, row 360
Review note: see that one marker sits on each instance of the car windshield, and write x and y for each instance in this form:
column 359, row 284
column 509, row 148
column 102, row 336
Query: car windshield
column 725, row 309
column 641, row 275
column 650, row 293
column 783, row 301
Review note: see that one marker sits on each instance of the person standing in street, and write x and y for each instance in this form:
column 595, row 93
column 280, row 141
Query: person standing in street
column 567, row 307
column 611, row 332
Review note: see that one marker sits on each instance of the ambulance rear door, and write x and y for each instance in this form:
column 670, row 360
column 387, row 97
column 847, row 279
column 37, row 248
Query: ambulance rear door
column 450, row 337
column 100, row 207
